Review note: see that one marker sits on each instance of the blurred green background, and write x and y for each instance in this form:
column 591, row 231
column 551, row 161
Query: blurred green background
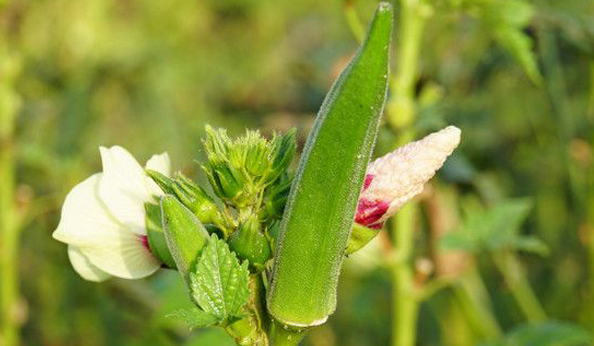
column 148, row 75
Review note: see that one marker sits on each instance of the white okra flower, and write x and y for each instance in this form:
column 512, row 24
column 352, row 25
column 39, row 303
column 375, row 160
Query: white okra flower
column 103, row 218
column 395, row 178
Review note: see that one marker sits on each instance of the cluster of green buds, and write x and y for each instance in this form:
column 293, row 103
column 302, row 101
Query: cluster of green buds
column 239, row 170
column 249, row 176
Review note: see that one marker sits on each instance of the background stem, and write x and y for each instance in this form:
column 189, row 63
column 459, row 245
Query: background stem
column 405, row 303
column 473, row 297
column 401, row 113
column 9, row 229
column 511, row 269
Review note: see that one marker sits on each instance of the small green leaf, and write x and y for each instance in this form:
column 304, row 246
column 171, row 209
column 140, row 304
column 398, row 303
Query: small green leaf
column 495, row 228
column 220, row 285
column 194, row 317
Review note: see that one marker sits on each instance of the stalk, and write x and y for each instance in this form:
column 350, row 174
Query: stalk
column 9, row 228
column 473, row 297
column 511, row 269
column 401, row 114
column 406, row 305
column 283, row 336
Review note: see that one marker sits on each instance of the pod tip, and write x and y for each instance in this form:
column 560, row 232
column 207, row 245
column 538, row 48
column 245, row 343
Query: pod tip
column 385, row 6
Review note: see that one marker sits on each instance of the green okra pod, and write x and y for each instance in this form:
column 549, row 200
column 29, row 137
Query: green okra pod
column 321, row 205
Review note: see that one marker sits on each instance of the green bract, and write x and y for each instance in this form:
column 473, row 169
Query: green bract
column 321, row 205
column 185, row 235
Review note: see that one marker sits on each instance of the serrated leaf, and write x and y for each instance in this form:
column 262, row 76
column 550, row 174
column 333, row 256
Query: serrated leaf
column 548, row 333
column 219, row 283
column 194, row 317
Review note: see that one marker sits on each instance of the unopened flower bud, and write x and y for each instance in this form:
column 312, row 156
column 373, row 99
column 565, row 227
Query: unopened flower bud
column 196, row 199
column 190, row 194
column 226, row 181
column 397, row 177
column 249, row 243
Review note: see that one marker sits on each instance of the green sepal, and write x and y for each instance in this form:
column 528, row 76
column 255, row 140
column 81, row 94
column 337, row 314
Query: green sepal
column 360, row 236
column 184, row 234
column 227, row 181
column 196, row 199
column 156, row 236
column 163, row 181
column 249, row 243
column 284, row 151
column 276, row 197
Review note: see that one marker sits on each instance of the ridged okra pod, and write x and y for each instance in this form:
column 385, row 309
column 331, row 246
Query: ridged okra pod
column 320, row 210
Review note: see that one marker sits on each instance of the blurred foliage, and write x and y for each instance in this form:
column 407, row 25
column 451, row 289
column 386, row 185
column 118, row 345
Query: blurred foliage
column 148, row 75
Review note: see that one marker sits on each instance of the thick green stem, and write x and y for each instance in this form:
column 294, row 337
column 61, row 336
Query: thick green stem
column 283, row 336
column 401, row 114
column 403, row 293
column 511, row 269
column 412, row 19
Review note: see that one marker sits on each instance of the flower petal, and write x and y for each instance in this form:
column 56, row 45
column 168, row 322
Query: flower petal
column 84, row 267
column 123, row 188
column 123, row 256
column 107, row 244
column 162, row 164
column 401, row 174
column 85, row 219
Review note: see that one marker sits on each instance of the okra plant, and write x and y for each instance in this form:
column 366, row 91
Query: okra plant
column 260, row 250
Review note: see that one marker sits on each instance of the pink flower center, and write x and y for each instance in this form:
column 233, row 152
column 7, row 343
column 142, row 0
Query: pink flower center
column 368, row 180
column 371, row 211
column 145, row 242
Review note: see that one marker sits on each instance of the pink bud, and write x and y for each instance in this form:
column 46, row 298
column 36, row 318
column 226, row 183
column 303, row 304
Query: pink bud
column 395, row 178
